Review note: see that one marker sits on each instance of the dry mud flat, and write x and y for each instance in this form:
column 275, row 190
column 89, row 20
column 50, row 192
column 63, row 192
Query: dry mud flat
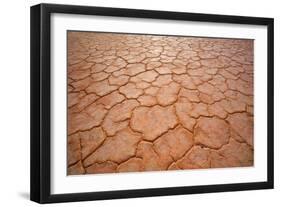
column 146, row 103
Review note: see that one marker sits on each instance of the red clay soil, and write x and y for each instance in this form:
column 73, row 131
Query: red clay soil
column 146, row 103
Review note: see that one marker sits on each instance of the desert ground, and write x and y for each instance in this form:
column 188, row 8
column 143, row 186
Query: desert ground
column 150, row 103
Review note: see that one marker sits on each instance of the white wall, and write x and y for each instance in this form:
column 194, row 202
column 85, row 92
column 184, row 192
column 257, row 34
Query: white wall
column 14, row 101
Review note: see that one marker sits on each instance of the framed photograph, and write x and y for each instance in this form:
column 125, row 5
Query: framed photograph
column 133, row 103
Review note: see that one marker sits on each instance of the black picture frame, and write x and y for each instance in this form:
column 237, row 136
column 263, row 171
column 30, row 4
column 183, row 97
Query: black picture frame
column 41, row 96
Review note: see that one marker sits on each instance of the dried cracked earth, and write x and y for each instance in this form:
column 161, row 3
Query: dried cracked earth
column 147, row 103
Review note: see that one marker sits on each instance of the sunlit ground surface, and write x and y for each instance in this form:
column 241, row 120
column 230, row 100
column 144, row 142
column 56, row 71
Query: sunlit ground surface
column 146, row 103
